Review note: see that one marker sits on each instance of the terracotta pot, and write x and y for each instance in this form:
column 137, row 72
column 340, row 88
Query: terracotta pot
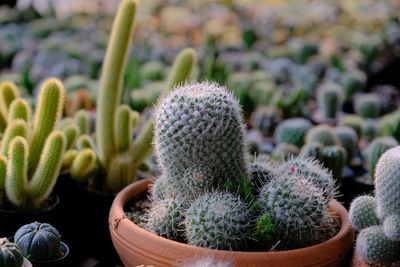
column 357, row 261
column 137, row 246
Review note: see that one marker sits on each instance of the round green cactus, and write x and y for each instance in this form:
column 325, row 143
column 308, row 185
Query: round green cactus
column 165, row 217
column 329, row 100
column 292, row 131
column 159, row 188
column 262, row 173
column 362, row 213
column 391, row 227
column 38, row 241
column 353, row 121
column 348, row 139
column 200, row 124
column 217, row 220
column 10, row 254
column 370, row 129
column 322, row 134
column 284, row 151
column 297, row 208
column 335, row 159
column 312, row 150
column 367, row 106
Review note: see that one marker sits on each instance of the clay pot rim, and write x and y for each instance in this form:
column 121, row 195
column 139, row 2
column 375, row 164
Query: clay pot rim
column 120, row 220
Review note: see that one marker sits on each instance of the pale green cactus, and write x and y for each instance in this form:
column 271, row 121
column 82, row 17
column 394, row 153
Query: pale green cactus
column 19, row 109
column 8, row 92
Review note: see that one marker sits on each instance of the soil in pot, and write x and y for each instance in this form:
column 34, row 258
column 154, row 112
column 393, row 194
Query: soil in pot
column 137, row 246
column 11, row 220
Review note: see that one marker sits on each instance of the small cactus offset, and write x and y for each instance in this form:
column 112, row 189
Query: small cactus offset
column 217, row 220
column 362, row 213
column 8, row 92
column 330, row 98
column 10, row 254
column 367, row 106
column 322, row 134
column 292, row 131
column 374, row 151
column 38, row 241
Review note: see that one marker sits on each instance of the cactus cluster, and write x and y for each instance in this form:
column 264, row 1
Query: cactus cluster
column 112, row 160
column 32, row 149
column 378, row 218
column 209, row 195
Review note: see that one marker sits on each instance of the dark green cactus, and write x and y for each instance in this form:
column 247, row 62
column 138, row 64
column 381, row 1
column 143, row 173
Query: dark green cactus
column 367, row 106
column 335, row 158
column 10, row 254
column 330, row 98
column 292, row 131
column 322, row 134
column 348, row 139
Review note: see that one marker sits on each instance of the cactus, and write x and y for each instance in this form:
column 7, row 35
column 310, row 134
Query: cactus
column 284, row 151
column 200, row 124
column 38, row 241
column 370, row 129
column 312, row 150
column 362, row 213
column 292, row 131
column 81, row 119
column 335, row 159
column 217, row 220
column 330, row 99
column 152, row 71
column 367, row 106
column 14, row 129
column 8, row 92
column 374, row 151
column 351, row 82
column 262, row 173
column 206, row 262
column 19, row 109
column 322, row 134
column 348, row 139
column 265, row 119
column 297, row 209
column 165, row 218
column 316, row 173
column 353, row 121
column 10, row 254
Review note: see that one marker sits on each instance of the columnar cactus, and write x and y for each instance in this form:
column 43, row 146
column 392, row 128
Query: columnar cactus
column 312, row 150
column 367, row 105
column 353, row 121
column 379, row 238
column 374, row 151
column 292, row 131
column 217, row 220
column 32, row 169
column 322, row 134
column 117, row 155
column 335, row 159
column 348, row 139
column 10, row 254
column 201, row 124
column 330, row 98
column 8, row 92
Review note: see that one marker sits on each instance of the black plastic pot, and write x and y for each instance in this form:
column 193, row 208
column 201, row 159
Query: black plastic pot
column 62, row 261
column 84, row 222
column 12, row 220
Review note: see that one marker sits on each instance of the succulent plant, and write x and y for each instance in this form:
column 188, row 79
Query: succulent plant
column 370, row 129
column 292, row 131
column 284, row 151
column 265, row 119
column 362, row 213
column 352, row 82
column 353, row 121
column 38, row 241
column 367, row 106
column 348, row 139
column 335, row 158
column 262, row 173
column 330, row 98
column 312, row 150
column 33, row 157
column 217, row 220
column 10, row 254
column 297, row 208
column 322, row 134
column 374, row 151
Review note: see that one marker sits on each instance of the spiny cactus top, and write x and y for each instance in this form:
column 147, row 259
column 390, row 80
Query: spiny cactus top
column 200, row 124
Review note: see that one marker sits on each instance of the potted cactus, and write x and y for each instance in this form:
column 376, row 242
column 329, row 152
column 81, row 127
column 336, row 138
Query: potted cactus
column 210, row 201
column 31, row 155
column 102, row 166
column 11, row 255
column 378, row 218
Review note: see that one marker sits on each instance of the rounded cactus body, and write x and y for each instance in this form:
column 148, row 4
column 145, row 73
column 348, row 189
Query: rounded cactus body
column 292, row 131
column 370, row 129
column 312, row 150
column 159, row 188
column 374, row 151
column 265, row 119
column 316, row 173
column 335, row 158
column 297, row 208
column 391, row 227
column 362, row 213
column 348, row 139
column 262, row 173
column 284, row 151
column 387, row 183
column 375, row 247
column 217, row 220
column 329, row 100
column 165, row 217
column 367, row 105
column 322, row 134
column 10, row 254
column 353, row 121
column 39, row 241
column 200, row 124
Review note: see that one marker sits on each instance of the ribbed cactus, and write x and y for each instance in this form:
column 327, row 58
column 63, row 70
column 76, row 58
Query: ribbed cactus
column 200, row 124
column 217, row 220
column 165, row 218
column 10, row 254
column 370, row 129
column 374, row 151
column 351, row 82
column 292, row 131
column 284, row 151
column 117, row 154
column 28, row 188
column 381, row 243
column 367, row 106
column 348, row 139
column 298, row 210
column 335, row 158
column 312, row 150
column 353, row 121
column 322, row 134
column 330, row 98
